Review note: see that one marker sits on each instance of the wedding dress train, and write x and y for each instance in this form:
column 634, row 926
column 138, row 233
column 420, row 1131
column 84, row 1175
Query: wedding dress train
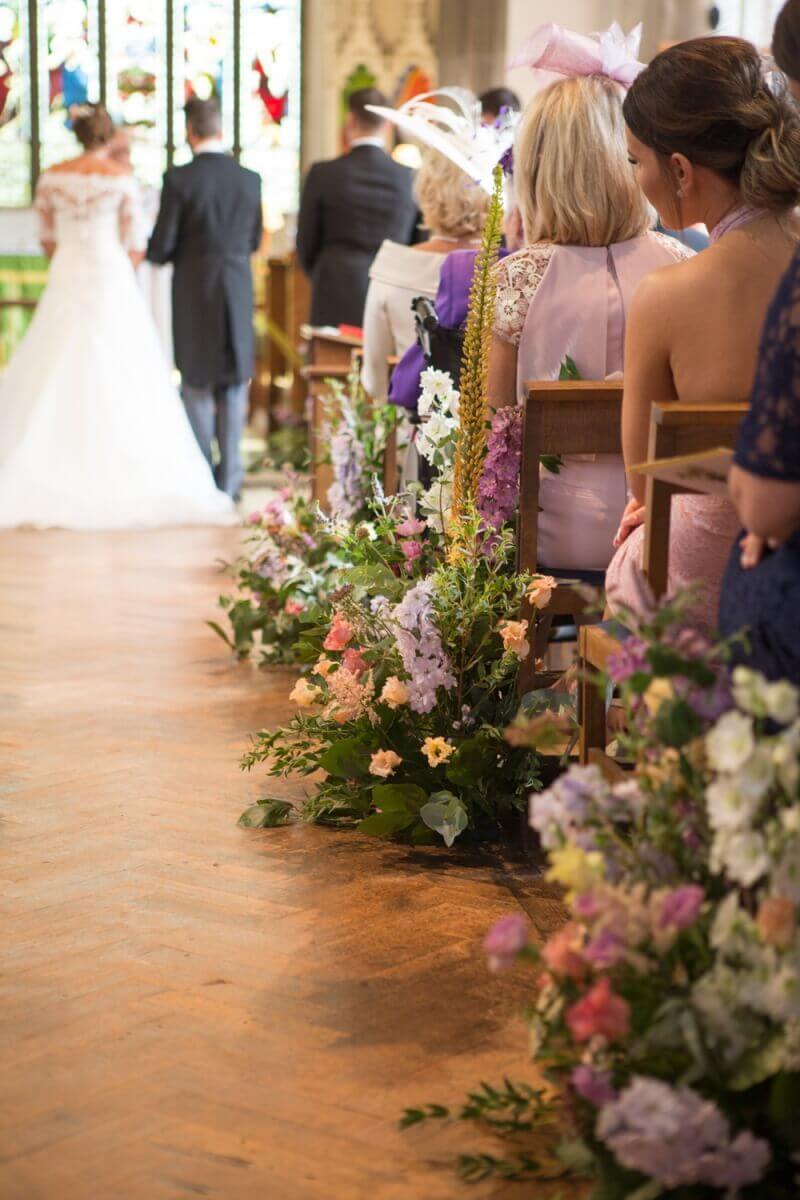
column 93, row 434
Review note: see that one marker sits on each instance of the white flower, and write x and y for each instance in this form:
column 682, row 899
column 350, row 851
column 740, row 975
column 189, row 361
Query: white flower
column 728, row 807
column 731, row 925
column 786, row 756
column 777, row 994
column 730, row 743
column 750, row 691
column 435, row 382
column 782, row 702
column 743, row 855
column 757, row 775
column 785, row 879
column 790, row 819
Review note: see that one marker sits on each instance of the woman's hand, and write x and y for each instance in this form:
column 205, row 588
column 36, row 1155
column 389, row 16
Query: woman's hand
column 752, row 549
column 633, row 515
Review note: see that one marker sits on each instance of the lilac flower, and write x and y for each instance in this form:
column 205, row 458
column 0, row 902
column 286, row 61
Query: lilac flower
column 678, row 1138
column 505, row 939
column 629, row 659
column 593, row 1085
column 420, row 647
column 680, row 908
column 498, row 490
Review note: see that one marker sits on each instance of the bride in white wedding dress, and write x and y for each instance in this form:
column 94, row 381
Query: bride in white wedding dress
column 93, row 433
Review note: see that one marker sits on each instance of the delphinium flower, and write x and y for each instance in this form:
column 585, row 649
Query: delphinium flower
column 348, row 460
column 677, row 1138
column 561, row 814
column 498, row 490
column 420, row 647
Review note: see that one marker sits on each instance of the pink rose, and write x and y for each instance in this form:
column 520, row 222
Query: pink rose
column 600, row 1013
column 339, row 634
column 353, row 661
column 293, row 607
column 254, row 518
column 562, row 953
column 411, row 550
column 411, row 527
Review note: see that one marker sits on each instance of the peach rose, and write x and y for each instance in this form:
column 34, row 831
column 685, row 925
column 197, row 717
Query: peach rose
column 339, row 634
column 304, row 694
column 324, row 666
column 777, row 921
column 384, row 763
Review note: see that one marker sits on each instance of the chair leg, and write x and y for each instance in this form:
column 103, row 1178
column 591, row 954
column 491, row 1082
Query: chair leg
column 591, row 712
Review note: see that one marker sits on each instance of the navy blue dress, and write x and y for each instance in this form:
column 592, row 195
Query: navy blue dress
column 765, row 599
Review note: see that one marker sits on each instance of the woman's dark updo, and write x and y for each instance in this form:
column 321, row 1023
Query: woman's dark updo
column 708, row 100
column 92, row 125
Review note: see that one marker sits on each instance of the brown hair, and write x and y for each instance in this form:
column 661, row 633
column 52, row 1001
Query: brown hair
column 203, row 117
column 708, row 100
column 92, row 125
column 786, row 39
column 357, row 105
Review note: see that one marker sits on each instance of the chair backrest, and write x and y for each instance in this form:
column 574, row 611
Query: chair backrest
column 675, row 430
column 569, row 417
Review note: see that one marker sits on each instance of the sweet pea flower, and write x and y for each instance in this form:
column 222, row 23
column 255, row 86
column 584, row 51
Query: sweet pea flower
column 592, row 1085
column 563, row 953
column 353, row 661
column 395, row 692
column 574, row 868
column 505, row 939
column 514, row 639
column 600, row 1013
column 339, row 634
column 731, row 742
column 384, row 763
column 293, row 608
column 411, row 527
column 605, row 950
column 541, row 590
column 437, row 750
column 777, row 922
column 411, row 550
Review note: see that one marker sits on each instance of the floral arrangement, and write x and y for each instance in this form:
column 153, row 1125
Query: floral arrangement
column 667, row 1008
column 294, row 555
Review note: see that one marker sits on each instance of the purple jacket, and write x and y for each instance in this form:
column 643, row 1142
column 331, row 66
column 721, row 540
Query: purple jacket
column 452, row 301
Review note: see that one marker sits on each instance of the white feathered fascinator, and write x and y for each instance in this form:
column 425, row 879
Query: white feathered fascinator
column 449, row 120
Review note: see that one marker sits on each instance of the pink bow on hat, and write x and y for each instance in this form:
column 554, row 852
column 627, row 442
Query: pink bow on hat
column 557, row 53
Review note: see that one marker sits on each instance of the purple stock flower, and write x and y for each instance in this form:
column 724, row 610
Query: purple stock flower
column 498, row 490
column 681, row 907
column 505, row 939
column 592, row 1085
column 631, row 657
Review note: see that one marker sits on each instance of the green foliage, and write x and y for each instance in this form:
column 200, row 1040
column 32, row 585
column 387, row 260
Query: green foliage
column 266, row 814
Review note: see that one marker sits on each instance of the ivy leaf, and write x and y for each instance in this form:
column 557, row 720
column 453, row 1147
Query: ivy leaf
column 384, row 824
column 267, row 814
column 399, row 797
column 445, row 814
column 221, row 632
column 348, row 759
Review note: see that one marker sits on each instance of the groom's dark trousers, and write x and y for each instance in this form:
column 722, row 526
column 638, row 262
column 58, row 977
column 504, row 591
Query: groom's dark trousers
column 209, row 224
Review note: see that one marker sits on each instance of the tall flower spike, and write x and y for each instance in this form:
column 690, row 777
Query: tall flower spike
column 475, row 363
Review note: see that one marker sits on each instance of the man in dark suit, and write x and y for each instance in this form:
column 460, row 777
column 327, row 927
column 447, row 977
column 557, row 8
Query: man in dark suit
column 209, row 225
column 349, row 205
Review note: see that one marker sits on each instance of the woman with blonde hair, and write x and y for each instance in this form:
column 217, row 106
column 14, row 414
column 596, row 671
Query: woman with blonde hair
column 453, row 203
column 568, row 292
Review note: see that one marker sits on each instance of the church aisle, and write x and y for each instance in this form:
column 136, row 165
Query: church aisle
column 187, row 1008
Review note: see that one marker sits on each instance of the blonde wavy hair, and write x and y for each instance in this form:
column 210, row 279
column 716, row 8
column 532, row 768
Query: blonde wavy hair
column 574, row 183
column 451, row 202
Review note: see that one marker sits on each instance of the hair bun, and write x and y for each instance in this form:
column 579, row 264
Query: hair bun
column 92, row 125
column 771, row 170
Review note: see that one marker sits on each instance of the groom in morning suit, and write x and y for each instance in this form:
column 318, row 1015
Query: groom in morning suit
column 209, row 224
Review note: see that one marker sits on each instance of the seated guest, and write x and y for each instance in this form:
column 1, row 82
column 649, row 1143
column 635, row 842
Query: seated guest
column 496, row 101
column 567, row 294
column 761, row 587
column 454, row 199
column 347, row 208
column 709, row 142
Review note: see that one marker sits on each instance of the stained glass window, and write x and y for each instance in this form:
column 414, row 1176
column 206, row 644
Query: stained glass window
column 14, row 103
column 145, row 58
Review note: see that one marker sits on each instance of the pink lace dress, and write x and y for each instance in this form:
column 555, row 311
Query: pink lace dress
column 555, row 302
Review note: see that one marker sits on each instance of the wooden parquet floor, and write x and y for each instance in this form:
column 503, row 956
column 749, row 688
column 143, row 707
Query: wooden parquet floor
column 190, row 1009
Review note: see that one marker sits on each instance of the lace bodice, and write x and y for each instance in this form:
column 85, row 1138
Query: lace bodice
column 90, row 209
column 519, row 276
column 769, row 438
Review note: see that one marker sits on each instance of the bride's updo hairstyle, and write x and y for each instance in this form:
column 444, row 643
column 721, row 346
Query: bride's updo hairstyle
column 92, row 126
column 708, row 100
column 573, row 180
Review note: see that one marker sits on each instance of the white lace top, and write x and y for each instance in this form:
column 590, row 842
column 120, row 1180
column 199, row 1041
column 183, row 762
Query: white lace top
column 520, row 274
column 73, row 205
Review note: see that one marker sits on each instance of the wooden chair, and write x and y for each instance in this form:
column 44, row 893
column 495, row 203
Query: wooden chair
column 560, row 418
column 329, row 347
column 676, row 430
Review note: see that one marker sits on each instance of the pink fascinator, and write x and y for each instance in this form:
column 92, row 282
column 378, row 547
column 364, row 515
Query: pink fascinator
column 556, row 53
